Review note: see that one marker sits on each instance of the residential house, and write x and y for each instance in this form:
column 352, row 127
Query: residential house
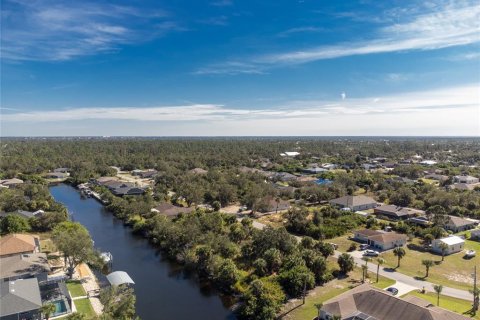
column 171, row 210
column 437, row 177
column 10, row 183
column 22, row 213
column 354, row 203
column 387, row 240
column 428, row 162
column 314, row 170
column 57, row 175
column 381, row 240
column 283, row 176
column 16, row 243
column 329, row 166
column 421, row 221
column 457, row 224
column 145, row 174
column 128, row 191
column 103, row 180
column 291, row 154
column 465, row 186
column 20, row 299
column 475, row 234
column 24, row 266
column 366, row 302
column 454, row 244
column 363, row 235
column 397, row 213
column 198, row 171
column 466, row 179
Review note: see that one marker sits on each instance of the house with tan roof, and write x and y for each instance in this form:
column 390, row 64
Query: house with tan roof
column 381, row 240
column 170, row 210
column 368, row 303
column 16, row 243
column 10, row 183
column 457, row 224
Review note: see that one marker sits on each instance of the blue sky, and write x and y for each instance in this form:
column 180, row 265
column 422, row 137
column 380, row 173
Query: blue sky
column 230, row 67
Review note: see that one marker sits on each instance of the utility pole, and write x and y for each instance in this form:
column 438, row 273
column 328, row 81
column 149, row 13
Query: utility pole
column 475, row 292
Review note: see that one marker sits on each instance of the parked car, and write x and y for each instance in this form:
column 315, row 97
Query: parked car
column 371, row 253
column 392, row 290
column 364, row 246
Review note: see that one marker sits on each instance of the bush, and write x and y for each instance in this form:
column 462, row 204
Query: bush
column 353, row 247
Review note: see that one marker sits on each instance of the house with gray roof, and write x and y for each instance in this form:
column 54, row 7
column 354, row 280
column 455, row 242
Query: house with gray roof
column 354, row 203
column 23, row 266
column 397, row 213
column 458, row 224
column 366, row 302
column 20, row 299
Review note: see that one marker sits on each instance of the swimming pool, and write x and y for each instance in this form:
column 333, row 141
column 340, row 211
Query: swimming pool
column 60, row 307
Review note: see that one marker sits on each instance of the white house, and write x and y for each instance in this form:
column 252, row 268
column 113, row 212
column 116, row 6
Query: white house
column 355, row 203
column 466, row 179
column 454, row 244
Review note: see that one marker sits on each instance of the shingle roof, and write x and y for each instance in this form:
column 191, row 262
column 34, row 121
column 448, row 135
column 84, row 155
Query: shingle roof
column 353, row 201
column 459, row 222
column 19, row 296
column 368, row 232
column 378, row 304
column 170, row 210
column 387, row 237
column 23, row 264
column 17, row 243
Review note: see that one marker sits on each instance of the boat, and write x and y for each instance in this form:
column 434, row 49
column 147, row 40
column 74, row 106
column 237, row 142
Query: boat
column 470, row 253
column 106, row 256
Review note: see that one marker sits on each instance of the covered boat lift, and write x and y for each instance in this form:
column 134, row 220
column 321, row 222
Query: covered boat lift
column 119, row 277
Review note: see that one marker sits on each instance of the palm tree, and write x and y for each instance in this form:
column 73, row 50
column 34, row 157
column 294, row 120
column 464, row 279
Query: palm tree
column 438, row 289
column 364, row 272
column 319, row 308
column 427, row 264
column 380, row 261
column 47, row 309
column 444, row 248
column 399, row 252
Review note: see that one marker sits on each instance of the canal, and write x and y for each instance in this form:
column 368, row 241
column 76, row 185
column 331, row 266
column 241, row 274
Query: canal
column 163, row 291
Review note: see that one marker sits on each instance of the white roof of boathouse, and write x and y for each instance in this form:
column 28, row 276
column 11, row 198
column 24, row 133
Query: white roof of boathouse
column 119, row 277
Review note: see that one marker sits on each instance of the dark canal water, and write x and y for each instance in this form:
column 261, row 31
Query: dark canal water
column 162, row 289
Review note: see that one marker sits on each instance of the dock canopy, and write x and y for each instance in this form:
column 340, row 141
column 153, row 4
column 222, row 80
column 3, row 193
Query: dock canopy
column 119, row 277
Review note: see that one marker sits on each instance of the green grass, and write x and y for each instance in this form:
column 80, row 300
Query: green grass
column 76, row 289
column 453, row 304
column 84, row 306
column 454, row 272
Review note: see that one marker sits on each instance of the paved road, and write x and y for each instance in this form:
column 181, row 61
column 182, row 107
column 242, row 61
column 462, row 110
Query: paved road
column 403, row 281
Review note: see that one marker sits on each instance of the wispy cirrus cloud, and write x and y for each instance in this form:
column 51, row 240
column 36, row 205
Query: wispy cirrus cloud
column 52, row 30
column 466, row 96
column 292, row 31
column 455, row 24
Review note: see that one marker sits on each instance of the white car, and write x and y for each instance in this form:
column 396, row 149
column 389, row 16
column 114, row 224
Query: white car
column 371, row 253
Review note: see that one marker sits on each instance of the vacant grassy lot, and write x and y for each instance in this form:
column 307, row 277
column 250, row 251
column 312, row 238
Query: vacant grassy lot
column 294, row 310
column 452, row 304
column 84, row 306
column 454, row 272
column 76, row 289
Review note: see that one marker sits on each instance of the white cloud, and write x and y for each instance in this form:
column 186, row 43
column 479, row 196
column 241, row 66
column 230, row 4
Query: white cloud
column 443, row 98
column 52, row 30
column 452, row 25
column 292, row 31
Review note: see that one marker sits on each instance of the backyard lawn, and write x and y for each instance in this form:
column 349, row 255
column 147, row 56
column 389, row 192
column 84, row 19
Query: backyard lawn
column 454, row 272
column 76, row 288
column 449, row 303
column 84, row 306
